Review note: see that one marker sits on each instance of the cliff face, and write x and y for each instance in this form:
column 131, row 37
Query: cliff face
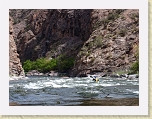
column 15, row 67
column 113, row 45
column 100, row 40
column 50, row 33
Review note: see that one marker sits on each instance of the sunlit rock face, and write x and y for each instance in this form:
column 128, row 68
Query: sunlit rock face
column 15, row 67
column 113, row 45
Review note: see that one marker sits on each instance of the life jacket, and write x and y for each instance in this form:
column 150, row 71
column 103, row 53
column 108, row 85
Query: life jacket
column 97, row 79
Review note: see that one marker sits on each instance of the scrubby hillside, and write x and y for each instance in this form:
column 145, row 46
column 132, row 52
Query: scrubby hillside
column 113, row 44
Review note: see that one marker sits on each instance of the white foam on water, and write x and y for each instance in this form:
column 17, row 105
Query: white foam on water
column 11, row 86
column 88, row 81
column 107, row 84
column 129, row 90
column 117, row 84
column 109, row 80
column 11, row 78
column 60, row 81
column 96, row 84
column 81, row 85
column 47, row 84
column 78, row 81
column 26, row 78
column 135, row 83
column 137, row 92
column 32, row 86
column 133, row 80
column 123, row 84
column 54, row 85
column 68, row 86
column 17, row 77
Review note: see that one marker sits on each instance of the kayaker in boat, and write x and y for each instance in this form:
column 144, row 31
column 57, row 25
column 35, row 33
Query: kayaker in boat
column 95, row 78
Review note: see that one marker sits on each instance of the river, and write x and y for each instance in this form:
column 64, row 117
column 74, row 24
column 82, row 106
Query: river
column 58, row 91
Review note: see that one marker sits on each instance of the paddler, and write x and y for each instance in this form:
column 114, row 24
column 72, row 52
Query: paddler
column 95, row 78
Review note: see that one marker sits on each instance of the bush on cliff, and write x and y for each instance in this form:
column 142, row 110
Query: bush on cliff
column 61, row 63
column 44, row 65
column 135, row 68
column 64, row 63
column 27, row 65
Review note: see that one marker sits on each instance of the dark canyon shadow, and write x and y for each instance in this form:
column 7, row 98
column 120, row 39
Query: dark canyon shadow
column 50, row 33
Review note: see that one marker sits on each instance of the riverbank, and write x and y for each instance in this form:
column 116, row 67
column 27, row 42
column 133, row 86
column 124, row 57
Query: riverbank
column 111, row 102
column 98, row 102
column 101, row 74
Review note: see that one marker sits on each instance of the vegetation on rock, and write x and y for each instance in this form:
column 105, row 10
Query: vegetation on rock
column 135, row 68
column 61, row 64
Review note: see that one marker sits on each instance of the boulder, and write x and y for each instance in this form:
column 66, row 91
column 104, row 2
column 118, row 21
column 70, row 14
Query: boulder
column 115, row 76
column 53, row 73
column 133, row 76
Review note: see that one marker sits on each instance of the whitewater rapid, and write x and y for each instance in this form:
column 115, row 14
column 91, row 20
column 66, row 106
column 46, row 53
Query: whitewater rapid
column 69, row 91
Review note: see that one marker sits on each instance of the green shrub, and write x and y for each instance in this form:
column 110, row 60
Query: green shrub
column 135, row 17
column 118, row 11
column 135, row 68
column 97, row 24
column 61, row 63
column 64, row 63
column 92, row 59
column 27, row 65
column 88, row 54
column 113, row 16
column 98, row 41
column 105, row 21
column 122, row 32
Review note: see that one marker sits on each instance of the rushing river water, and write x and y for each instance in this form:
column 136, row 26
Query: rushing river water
column 69, row 91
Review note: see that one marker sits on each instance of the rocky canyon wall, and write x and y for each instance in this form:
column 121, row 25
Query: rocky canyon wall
column 50, row 33
column 100, row 40
column 113, row 45
column 15, row 67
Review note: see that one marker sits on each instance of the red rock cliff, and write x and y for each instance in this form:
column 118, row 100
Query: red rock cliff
column 15, row 67
column 100, row 40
